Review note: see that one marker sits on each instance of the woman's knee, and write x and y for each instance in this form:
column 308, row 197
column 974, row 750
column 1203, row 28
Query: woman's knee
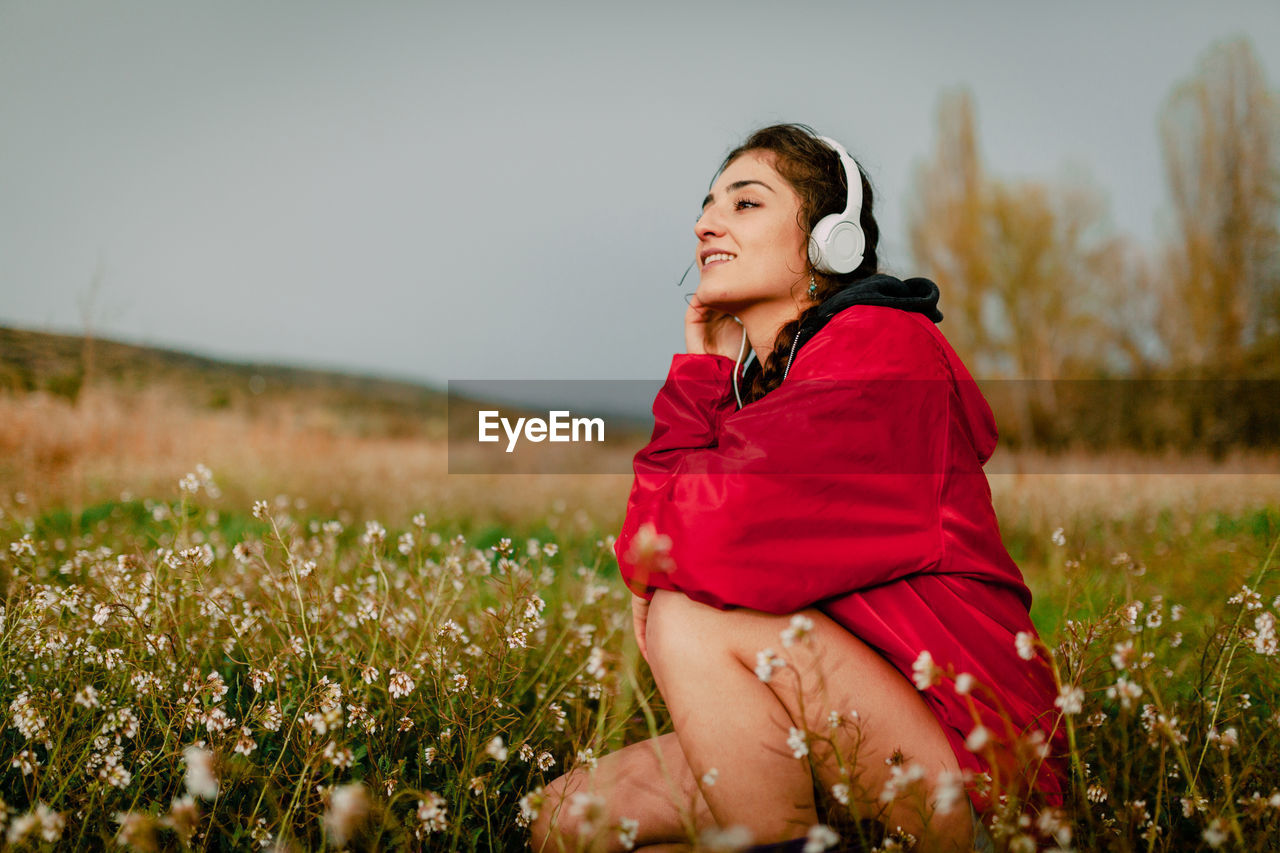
column 678, row 627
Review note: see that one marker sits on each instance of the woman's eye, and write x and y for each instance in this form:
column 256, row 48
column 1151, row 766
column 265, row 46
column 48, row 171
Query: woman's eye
column 737, row 205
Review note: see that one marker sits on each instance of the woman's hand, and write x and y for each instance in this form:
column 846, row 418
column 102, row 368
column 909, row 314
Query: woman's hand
column 707, row 330
column 639, row 616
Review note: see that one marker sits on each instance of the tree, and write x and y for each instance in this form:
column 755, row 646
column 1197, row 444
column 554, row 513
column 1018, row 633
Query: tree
column 1220, row 131
column 1028, row 270
column 944, row 223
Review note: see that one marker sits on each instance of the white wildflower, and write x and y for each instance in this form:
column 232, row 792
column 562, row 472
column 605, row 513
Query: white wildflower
column 340, row 757
column 801, row 626
column 348, row 805
column 200, row 778
column 819, row 838
column 595, row 663
column 948, row 791
column 1024, row 642
column 374, row 534
column 26, row 761
column 1070, row 699
column 734, row 837
column 1264, row 641
column 796, row 740
column 1122, row 654
column 530, row 807
column 978, row 738
column 924, row 672
column 588, row 809
column 900, row 779
column 1215, row 834
column 650, row 549
column 766, row 662
column 401, row 684
column 431, row 815
column 627, row 830
column 1124, row 690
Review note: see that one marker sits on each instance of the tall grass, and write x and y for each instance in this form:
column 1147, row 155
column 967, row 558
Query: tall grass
column 187, row 668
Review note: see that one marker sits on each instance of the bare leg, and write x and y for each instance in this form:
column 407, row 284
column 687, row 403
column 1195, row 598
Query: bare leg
column 726, row 718
column 649, row 782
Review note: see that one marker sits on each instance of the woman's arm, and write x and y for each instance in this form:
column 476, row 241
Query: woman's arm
column 828, row 484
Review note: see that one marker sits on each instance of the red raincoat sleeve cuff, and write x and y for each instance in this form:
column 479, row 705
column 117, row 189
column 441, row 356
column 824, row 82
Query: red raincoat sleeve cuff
column 692, row 402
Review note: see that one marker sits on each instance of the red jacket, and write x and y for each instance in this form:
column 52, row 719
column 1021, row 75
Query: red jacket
column 855, row 487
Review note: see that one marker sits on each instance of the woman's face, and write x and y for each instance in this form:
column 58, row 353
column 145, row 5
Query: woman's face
column 749, row 215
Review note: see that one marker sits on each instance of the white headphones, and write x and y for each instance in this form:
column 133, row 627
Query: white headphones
column 837, row 241
column 835, row 244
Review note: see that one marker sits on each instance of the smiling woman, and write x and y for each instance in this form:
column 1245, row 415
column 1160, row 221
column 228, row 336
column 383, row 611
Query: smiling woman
column 839, row 513
column 750, row 254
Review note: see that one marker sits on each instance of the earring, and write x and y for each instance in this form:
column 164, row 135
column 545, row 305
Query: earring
column 813, row 286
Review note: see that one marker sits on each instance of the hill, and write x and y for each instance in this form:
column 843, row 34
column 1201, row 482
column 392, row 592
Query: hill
column 64, row 365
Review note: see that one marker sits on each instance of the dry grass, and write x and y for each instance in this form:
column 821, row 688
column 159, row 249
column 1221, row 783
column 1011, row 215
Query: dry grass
column 62, row 455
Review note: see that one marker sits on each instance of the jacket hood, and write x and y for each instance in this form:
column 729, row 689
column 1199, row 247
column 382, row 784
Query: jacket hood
column 918, row 296
column 975, row 410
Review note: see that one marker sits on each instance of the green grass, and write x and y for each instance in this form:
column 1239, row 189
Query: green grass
column 168, row 618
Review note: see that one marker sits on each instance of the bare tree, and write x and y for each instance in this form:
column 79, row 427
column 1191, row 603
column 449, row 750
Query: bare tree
column 945, row 224
column 1031, row 273
column 1220, row 131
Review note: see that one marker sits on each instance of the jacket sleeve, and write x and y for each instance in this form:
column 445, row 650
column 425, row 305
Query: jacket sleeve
column 828, row 484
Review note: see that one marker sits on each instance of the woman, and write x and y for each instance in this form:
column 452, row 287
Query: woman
column 802, row 531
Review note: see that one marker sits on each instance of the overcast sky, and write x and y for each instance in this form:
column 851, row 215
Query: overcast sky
column 507, row 190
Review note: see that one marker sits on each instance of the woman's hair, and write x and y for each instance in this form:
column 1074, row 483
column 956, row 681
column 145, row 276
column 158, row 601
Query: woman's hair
column 814, row 171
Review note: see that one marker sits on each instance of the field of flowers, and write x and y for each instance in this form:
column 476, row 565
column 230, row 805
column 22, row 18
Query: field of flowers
column 193, row 670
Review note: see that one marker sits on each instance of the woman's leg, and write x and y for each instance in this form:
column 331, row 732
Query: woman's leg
column 648, row 782
column 703, row 660
column 725, row 717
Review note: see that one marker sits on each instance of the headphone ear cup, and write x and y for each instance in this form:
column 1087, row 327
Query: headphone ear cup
column 837, row 242
column 836, row 245
column 844, row 247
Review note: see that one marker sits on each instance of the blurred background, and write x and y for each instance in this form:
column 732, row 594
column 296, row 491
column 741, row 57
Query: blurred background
column 210, row 211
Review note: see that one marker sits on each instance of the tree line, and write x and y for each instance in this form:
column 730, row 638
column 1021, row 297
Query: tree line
column 1082, row 337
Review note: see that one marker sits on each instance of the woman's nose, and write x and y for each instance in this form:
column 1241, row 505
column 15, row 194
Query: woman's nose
column 708, row 224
